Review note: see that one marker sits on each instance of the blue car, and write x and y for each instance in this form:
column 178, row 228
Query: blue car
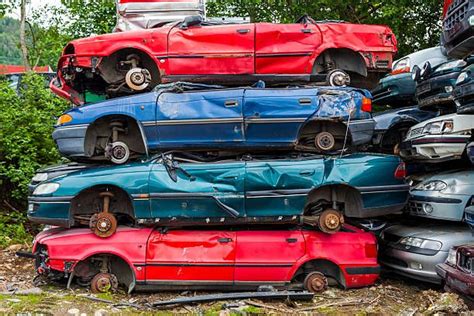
column 214, row 118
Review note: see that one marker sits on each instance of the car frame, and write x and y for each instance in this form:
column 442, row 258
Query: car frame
column 439, row 139
column 180, row 190
column 445, row 195
column 152, row 259
column 124, row 63
column 457, row 272
column 213, row 118
column 424, row 245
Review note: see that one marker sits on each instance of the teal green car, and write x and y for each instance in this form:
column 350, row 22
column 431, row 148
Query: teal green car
column 172, row 190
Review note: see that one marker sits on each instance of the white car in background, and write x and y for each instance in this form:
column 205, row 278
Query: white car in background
column 439, row 139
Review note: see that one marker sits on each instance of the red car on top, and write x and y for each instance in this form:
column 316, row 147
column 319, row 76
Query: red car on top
column 147, row 258
column 123, row 63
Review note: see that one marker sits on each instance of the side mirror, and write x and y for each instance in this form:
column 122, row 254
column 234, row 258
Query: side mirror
column 415, row 73
column 191, row 21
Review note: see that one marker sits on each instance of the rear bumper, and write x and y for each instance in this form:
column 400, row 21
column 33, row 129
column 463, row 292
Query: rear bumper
column 360, row 276
column 435, row 148
column 70, row 140
column 362, row 131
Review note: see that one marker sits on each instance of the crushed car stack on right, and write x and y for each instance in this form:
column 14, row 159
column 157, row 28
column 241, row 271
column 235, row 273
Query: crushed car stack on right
column 439, row 153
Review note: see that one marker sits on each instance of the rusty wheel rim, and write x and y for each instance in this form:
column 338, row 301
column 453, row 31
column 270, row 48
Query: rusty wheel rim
column 330, row 221
column 316, row 282
column 325, row 141
column 103, row 283
column 103, row 224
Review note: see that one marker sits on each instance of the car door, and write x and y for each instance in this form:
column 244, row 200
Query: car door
column 208, row 190
column 286, row 48
column 183, row 257
column 280, row 187
column 208, row 118
column 275, row 116
column 267, row 255
column 226, row 49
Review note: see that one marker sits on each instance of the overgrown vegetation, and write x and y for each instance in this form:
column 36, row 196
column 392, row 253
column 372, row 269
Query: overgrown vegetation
column 26, row 123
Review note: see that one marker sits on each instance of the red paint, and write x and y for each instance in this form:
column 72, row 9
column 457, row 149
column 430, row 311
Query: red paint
column 219, row 256
column 16, row 69
column 242, row 49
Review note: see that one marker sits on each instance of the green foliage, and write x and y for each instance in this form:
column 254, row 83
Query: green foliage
column 26, row 123
column 9, row 48
column 12, row 229
column 416, row 23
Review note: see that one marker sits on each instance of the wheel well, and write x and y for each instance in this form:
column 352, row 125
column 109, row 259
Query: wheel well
column 348, row 197
column 88, row 202
column 99, row 133
column 108, row 66
column 86, row 269
column 394, row 132
column 340, row 58
column 311, row 128
column 326, row 267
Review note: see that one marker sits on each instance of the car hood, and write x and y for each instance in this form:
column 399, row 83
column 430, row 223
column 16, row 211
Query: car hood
column 448, row 234
column 458, row 181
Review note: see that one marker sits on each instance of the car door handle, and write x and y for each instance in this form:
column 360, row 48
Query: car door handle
column 224, row 240
column 231, row 103
column 306, row 172
column 306, row 30
column 291, row 240
column 243, row 31
column 305, row 101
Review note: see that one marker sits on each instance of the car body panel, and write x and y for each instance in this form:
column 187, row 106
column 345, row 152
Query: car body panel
column 232, row 189
column 458, row 36
column 448, row 204
column 420, row 263
column 221, row 118
column 464, row 92
column 398, row 88
column 225, row 257
column 438, row 147
column 208, row 51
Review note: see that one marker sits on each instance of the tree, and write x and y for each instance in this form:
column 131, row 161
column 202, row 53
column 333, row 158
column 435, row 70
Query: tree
column 24, row 49
column 416, row 23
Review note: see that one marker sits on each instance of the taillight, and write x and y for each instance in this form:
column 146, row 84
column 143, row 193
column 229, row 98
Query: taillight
column 366, row 104
column 401, row 171
column 371, row 250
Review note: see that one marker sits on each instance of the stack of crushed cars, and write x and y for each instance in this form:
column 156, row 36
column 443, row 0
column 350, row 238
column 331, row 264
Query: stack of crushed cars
column 431, row 126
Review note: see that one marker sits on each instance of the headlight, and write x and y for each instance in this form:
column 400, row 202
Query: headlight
column 451, row 259
column 439, row 127
column 435, row 185
column 421, row 243
column 63, row 119
column 471, row 20
column 451, row 64
column 40, row 177
column 462, row 77
column 46, row 188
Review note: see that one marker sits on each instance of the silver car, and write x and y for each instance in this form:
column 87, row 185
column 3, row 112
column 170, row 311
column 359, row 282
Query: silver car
column 446, row 195
column 414, row 251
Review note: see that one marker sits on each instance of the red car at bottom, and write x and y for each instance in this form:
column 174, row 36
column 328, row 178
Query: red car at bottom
column 243, row 259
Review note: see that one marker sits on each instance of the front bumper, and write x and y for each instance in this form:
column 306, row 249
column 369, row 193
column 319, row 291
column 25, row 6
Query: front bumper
column 434, row 204
column 70, row 140
column 459, row 38
column 464, row 98
column 50, row 210
column 456, row 280
column 434, row 148
column 361, row 131
column 413, row 265
column 396, row 90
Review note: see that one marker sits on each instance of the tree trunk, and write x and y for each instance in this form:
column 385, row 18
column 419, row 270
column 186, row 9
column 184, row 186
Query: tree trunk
column 24, row 49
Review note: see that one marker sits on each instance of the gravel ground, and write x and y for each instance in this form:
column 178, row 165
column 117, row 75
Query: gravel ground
column 391, row 295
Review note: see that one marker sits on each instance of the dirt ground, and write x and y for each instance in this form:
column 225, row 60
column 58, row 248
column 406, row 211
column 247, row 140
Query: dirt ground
column 389, row 296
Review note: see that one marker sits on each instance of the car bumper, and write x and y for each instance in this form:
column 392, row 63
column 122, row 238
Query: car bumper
column 360, row 275
column 395, row 91
column 412, row 265
column 435, row 148
column 70, row 140
column 50, row 210
column 459, row 40
column 433, row 204
column 361, row 131
column 464, row 98
column 455, row 280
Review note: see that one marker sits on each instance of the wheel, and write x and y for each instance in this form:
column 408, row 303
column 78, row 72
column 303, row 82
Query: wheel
column 103, row 224
column 338, row 78
column 315, row 282
column 138, row 79
column 118, row 152
column 325, row 141
column 103, row 283
column 330, row 221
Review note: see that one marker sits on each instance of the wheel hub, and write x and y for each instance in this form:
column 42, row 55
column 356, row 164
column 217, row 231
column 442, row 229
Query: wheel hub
column 316, row 282
column 119, row 152
column 330, row 221
column 325, row 141
column 103, row 224
column 104, row 282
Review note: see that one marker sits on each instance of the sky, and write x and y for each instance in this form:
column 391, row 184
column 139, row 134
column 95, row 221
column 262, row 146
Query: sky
column 33, row 4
